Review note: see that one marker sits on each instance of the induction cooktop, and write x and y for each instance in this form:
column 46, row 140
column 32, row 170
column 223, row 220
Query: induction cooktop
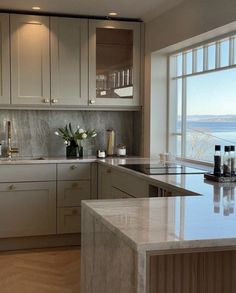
column 163, row 169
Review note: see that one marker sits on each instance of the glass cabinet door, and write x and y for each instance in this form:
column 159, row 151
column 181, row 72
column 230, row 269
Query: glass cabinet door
column 114, row 63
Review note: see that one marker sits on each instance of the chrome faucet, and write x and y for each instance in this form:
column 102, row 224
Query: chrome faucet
column 10, row 149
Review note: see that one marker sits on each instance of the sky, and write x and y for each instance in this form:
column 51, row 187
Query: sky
column 211, row 93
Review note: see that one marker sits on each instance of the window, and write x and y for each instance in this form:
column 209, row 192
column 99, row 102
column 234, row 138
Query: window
column 202, row 99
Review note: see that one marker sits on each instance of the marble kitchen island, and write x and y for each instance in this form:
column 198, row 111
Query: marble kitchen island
column 161, row 245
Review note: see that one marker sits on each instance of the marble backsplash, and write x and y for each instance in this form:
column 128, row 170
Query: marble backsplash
column 33, row 130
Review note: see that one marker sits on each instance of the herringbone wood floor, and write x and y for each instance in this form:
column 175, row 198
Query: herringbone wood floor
column 41, row 271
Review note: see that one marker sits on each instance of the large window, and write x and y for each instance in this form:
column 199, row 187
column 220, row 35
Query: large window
column 202, row 104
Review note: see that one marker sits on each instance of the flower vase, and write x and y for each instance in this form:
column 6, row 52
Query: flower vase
column 71, row 150
column 80, row 151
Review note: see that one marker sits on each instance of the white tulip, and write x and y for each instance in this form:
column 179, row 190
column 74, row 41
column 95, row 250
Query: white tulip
column 56, row 132
column 78, row 126
column 84, row 135
column 66, row 142
column 81, row 130
column 94, row 134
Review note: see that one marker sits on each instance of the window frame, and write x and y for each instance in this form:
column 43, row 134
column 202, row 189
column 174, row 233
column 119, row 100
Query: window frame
column 172, row 86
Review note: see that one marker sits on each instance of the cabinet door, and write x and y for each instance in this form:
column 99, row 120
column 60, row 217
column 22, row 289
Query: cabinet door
column 70, row 193
column 104, row 182
column 68, row 220
column 69, row 61
column 30, row 66
column 114, row 67
column 130, row 184
column 27, row 209
column 4, row 60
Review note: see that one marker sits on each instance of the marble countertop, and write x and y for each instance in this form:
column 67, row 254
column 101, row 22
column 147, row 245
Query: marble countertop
column 205, row 220
column 170, row 223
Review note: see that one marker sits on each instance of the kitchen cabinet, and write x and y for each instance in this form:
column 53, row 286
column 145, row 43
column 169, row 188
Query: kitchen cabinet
column 4, row 60
column 69, row 61
column 30, row 65
column 104, row 182
column 73, row 185
column 27, row 200
column 114, row 67
column 113, row 183
column 62, row 62
column 27, row 209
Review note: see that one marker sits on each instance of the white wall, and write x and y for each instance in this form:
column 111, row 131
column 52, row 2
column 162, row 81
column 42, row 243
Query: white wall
column 188, row 19
column 190, row 22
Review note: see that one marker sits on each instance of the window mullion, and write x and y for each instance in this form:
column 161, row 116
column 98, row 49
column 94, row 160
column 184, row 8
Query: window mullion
column 205, row 58
column 184, row 110
column 218, row 55
column 231, row 51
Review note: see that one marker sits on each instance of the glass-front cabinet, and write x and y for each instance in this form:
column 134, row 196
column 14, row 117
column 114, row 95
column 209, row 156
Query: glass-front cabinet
column 114, row 63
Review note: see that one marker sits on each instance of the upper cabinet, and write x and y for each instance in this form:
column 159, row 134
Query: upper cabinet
column 69, row 61
column 30, row 66
column 58, row 62
column 4, row 60
column 114, row 63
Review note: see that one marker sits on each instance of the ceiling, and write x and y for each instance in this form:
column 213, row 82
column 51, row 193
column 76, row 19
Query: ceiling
column 145, row 10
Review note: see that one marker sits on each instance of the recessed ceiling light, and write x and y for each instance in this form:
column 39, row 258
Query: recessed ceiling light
column 36, row 8
column 112, row 13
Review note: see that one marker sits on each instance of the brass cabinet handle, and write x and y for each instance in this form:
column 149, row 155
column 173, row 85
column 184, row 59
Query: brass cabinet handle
column 91, row 102
column 54, row 101
column 46, row 101
column 11, row 187
column 73, row 167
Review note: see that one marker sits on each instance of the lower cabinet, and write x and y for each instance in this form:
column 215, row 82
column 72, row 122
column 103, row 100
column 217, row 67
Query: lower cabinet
column 104, row 182
column 113, row 183
column 69, row 196
column 27, row 209
column 69, row 220
column 73, row 185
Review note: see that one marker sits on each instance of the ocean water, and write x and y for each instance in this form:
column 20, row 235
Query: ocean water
column 202, row 137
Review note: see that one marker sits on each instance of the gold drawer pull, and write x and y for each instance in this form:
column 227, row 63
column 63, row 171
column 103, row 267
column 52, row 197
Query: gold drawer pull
column 11, row 187
column 73, row 167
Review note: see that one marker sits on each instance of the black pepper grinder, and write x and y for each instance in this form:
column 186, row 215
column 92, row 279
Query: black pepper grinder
column 217, row 161
column 232, row 159
column 227, row 162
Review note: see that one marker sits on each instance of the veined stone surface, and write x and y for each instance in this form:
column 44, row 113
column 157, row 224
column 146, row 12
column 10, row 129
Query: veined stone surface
column 33, row 130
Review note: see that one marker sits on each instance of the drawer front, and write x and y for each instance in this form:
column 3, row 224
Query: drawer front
column 70, row 193
column 27, row 209
column 26, row 173
column 130, row 184
column 68, row 220
column 78, row 171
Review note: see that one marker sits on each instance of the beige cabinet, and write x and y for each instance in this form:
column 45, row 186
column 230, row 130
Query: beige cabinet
column 104, row 182
column 69, row 220
column 27, row 209
column 73, row 185
column 114, row 67
column 70, row 193
column 114, row 183
column 30, row 63
column 4, row 60
column 69, row 61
